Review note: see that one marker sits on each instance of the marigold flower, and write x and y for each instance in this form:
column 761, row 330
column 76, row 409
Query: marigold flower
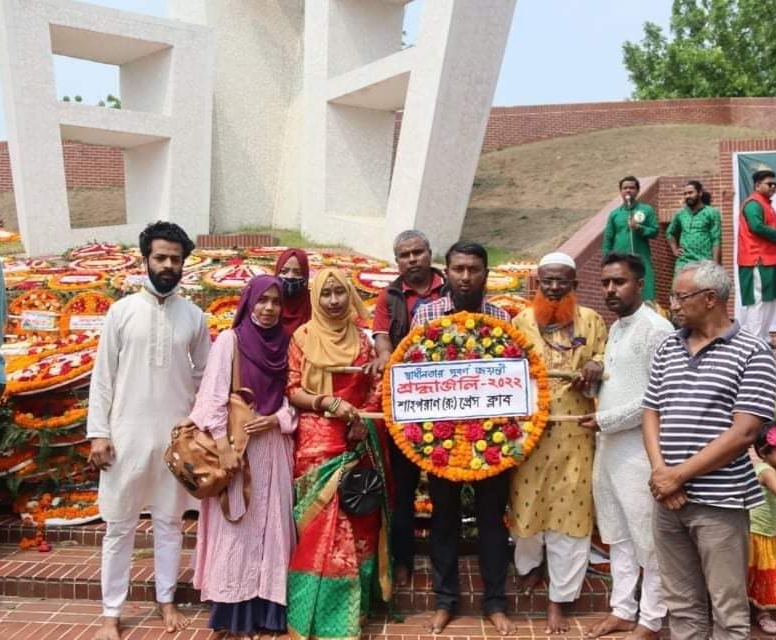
column 447, row 338
column 475, row 463
column 428, row 449
column 499, row 349
column 486, row 342
column 480, row 445
column 497, row 332
column 471, row 343
column 448, row 444
column 428, row 437
column 446, row 322
column 498, row 437
column 487, row 425
column 436, row 356
column 428, row 426
column 469, row 324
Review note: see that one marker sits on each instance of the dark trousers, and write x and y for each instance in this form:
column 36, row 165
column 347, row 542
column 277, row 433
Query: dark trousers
column 490, row 501
column 405, row 479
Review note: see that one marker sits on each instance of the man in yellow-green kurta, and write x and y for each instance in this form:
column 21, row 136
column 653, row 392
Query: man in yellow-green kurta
column 551, row 501
column 629, row 229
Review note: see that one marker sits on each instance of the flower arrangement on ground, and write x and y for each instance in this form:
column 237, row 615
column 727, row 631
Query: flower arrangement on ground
column 471, row 449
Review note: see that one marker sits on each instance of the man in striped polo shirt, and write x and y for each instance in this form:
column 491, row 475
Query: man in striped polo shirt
column 712, row 385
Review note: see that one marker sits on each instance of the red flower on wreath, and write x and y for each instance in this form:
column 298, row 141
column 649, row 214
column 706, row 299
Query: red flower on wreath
column 474, row 432
column 512, row 351
column 511, row 431
column 413, row 433
column 416, row 355
column 451, row 352
column 484, row 331
column 492, row 455
column 443, row 430
column 439, row 457
column 433, row 333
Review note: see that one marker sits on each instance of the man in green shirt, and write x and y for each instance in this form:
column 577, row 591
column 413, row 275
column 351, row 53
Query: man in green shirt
column 695, row 232
column 629, row 228
column 757, row 256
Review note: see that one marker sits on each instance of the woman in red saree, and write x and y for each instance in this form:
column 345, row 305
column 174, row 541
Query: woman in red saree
column 340, row 559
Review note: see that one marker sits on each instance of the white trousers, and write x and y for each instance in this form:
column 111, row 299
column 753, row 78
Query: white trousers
column 625, row 576
column 757, row 318
column 567, row 559
column 117, row 547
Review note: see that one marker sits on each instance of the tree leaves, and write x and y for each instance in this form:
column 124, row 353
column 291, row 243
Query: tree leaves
column 718, row 48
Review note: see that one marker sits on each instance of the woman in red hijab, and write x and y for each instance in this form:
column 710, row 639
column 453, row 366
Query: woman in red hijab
column 293, row 270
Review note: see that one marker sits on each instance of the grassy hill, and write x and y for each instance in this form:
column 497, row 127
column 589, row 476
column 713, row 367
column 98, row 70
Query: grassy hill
column 529, row 199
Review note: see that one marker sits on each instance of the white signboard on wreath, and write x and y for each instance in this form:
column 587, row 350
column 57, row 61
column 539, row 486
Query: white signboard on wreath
column 460, row 390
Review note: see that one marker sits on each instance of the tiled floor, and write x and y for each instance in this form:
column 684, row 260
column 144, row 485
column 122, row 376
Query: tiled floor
column 37, row 619
column 28, row 619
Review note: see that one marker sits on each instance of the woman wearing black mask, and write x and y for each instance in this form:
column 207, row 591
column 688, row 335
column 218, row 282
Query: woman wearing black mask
column 293, row 270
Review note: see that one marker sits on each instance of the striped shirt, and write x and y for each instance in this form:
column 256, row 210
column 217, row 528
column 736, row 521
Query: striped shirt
column 444, row 306
column 696, row 397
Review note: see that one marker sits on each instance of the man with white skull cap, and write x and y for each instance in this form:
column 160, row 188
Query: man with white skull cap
column 551, row 503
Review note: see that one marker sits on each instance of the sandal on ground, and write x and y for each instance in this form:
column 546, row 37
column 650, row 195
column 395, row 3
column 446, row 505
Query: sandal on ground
column 766, row 622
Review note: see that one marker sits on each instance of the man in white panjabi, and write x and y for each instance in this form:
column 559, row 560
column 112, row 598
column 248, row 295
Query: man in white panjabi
column 152, row 354
column 621, row 468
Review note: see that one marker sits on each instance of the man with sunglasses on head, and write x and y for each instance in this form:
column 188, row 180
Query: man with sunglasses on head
column 711, row 387
column 757, row 256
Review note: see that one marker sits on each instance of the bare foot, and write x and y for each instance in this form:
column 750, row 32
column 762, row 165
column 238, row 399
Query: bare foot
column 401, row 575
column 608, row 625
column 502, row 623
column 642, row 633
column 174, row 620
column 440, row 620
column 527, row 583
column 556, row 619
column 109, row 630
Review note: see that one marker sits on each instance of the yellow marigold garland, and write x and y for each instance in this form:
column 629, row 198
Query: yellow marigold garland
column 58, row 282
column 471, row 335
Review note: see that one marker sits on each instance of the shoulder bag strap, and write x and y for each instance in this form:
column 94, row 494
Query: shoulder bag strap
column 223, row 497
column 236, row 364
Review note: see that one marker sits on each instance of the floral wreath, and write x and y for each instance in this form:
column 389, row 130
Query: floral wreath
column 471, row 449
column 78, row 280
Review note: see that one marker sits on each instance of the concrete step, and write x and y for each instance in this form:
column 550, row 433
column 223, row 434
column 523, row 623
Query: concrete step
column 72, row 571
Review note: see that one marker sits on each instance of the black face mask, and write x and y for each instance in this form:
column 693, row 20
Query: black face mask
column 293, row 286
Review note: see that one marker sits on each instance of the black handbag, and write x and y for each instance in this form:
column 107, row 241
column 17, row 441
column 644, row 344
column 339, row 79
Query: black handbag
column 361, row 488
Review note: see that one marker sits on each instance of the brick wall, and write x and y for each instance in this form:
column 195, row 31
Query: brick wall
column 510, row 126
column 86, row 165
column 97, row 166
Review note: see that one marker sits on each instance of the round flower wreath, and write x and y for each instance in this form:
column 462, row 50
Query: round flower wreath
column 472, row 449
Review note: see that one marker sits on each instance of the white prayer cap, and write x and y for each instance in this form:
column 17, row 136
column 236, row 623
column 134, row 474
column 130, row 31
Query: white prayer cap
column 558, row 258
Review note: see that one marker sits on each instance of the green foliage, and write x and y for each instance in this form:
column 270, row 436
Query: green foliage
column 718, row 48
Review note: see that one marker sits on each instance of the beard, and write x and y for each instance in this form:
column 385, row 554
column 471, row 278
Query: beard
column 558, row 313
column 166, row 284
column 471, row 301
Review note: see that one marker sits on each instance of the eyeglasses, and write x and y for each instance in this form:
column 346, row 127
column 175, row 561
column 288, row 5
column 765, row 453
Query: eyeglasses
column 680, row 298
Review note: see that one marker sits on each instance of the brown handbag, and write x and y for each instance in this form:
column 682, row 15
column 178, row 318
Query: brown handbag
column 192, row 456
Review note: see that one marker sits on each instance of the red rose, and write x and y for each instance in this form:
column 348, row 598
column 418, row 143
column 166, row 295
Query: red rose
column 472, row 355
column 413, row 432
column 512, row 351
column 451, row 352
column 492, row 455
column 433, row 333
column 511, row 431
column 439, row 457
column 443, row 430
column 416, row 355
column 484, row 331
column 474, row 432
